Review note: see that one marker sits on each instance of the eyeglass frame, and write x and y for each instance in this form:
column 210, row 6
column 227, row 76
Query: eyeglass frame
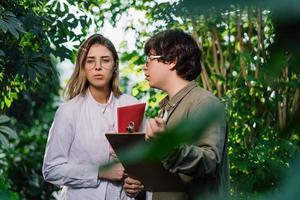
column 152, row 57
column 101, row 63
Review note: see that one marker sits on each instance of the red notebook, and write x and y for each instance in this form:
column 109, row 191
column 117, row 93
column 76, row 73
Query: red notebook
column 130, row 117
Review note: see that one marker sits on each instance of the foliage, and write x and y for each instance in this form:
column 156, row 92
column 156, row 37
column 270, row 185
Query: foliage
column 244, row 63
column 4, row 142
column 34, row 35
column 25, row 159
column 186, row 132
column 32, row 31
column 5, row 130
column 238, row 66
column 33, row 123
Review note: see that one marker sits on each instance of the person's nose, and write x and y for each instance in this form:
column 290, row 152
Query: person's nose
column 98, row 65
column 145, row 68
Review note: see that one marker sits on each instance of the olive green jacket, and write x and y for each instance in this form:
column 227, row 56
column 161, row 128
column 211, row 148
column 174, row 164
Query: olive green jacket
column 202, row 166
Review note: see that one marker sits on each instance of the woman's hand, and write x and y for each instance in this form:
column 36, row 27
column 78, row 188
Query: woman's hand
column 132, row 187
column 113, row 173
column 112, row 154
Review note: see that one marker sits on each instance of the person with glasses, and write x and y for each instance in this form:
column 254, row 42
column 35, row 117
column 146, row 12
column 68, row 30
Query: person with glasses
column 173, row 62
column 76, row 147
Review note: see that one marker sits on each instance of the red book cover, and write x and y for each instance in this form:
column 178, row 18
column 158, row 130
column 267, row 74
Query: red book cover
column 130, row 117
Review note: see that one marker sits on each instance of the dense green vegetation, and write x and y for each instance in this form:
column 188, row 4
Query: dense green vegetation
column 32, row 34
column 248, row 62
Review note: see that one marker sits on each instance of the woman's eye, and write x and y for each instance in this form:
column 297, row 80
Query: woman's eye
column 90, row 61
column 106, row 60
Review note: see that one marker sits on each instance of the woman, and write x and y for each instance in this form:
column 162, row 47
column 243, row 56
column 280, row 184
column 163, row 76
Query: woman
column 77, row 146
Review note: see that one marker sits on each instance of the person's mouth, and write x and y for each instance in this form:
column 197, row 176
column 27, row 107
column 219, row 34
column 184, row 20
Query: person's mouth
column 98, row 76
column 147, row 77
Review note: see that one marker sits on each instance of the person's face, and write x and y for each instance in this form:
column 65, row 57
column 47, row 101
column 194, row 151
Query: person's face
column 99, row 66
column 155, row 71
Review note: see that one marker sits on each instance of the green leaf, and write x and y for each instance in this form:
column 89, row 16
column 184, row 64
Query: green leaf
column 4, row 195
column 31, row 74
column 13, row 31
column 4, row 119
column 7, row 101
column 40, row 71
column 16, row 23
column 3, row 26
column 2, row 53
column 184, row 133
column 8, row 131
column 42, row 65
column 4, row 141
column 10, row 14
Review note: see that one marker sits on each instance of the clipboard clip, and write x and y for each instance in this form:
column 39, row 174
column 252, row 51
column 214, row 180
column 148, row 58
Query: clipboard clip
column 130, row 127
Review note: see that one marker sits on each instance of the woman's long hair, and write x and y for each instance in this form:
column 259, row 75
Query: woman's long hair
column 78, row 82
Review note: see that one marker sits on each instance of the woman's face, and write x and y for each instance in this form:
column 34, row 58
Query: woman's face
column 99, row 66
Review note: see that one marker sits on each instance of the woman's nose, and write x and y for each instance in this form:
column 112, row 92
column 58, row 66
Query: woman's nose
column 98, row 65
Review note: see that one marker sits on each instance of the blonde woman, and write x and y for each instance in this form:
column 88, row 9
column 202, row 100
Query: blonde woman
column 76, row 145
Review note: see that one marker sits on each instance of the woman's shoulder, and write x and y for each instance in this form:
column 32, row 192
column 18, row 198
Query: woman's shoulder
column 68, row 107
column 125, row 99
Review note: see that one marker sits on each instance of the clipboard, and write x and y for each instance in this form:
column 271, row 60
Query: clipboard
column 130, row 117
column 152, row 174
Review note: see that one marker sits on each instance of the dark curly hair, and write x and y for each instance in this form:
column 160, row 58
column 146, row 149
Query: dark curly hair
column 176, row 45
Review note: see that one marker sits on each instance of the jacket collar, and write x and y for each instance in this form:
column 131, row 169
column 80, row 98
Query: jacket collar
column 169, row 103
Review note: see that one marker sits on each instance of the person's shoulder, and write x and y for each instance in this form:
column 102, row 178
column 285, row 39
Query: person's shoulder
column 203, row 94
column 125, row 99
column 68, row 107
column 199, row 95
column 202, row 100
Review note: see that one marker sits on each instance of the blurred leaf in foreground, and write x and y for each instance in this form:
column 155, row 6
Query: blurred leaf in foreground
column 185, row 132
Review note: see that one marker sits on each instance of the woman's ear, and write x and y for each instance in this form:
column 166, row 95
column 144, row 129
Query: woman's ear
column 114, row 72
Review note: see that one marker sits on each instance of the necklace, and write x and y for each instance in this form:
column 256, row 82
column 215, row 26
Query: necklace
column 104, row 109
column 108, row 101
column 109, row 114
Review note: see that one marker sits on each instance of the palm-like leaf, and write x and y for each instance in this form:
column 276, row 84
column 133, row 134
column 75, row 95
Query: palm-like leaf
column 5, row 131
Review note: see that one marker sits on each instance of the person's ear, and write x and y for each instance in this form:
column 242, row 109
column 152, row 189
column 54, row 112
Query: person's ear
column 172, row 64
column 115, row 71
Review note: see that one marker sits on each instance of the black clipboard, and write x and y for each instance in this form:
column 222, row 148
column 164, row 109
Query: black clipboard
column 152, row 174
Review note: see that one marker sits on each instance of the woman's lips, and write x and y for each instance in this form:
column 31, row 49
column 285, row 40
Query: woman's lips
column 98, row 76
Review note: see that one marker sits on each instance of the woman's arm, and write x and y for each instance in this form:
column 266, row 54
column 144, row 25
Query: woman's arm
column 57, row 168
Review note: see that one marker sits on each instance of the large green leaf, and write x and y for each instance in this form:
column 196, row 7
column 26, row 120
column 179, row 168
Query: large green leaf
column 3, row 26
column 2, row 53
column 4, row 119
column 4, row 141
column 12, row 24
column 8, row 131
column 4, row 195
column 280, row 7
column 17, row 24
column 13, row 31
column 186, row 132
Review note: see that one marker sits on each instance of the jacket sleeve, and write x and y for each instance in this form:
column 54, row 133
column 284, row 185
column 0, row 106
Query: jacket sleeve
column 203, row 157
column 57, row 169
